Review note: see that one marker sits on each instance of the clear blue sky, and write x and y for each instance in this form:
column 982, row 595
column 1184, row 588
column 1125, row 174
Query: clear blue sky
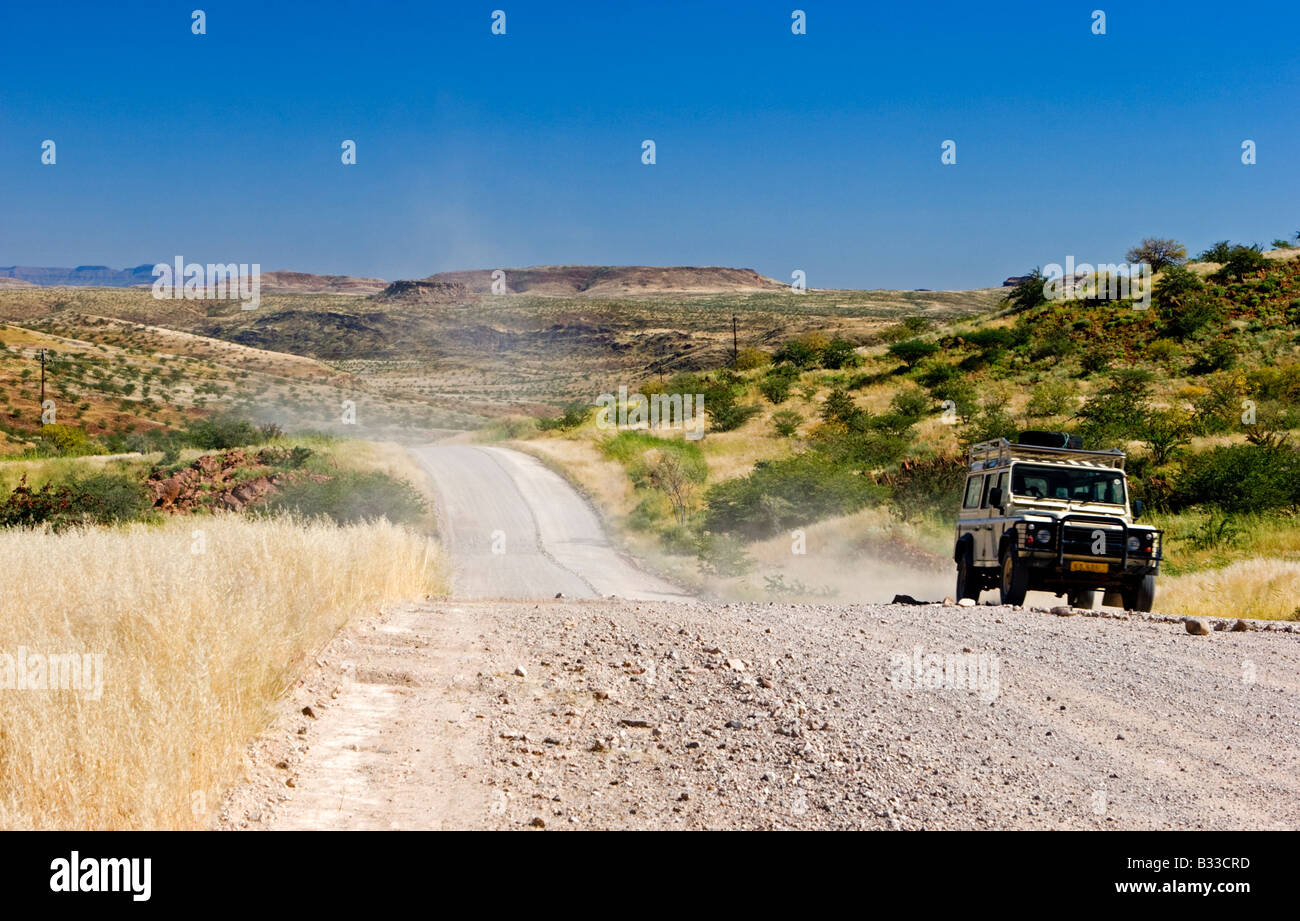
column 818, row 152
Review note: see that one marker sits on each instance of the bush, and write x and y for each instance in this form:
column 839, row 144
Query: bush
column 786, row 422
column 573, row 416
column 910, row 351
column 221, row 433
column 1219, row 355
column 775, row 388
column 1052, row 398
column 1242, row 261
column 1175, row 284
column 1240, row 478
column 65, row 441
column 1219, row 252
column 98, row 498
column 1195, row 312
column 749, row 359
column 1028, row 294
column 785, row 493
column 349, row 497
column 840, row 353
column 797, row 353
column 1117, row 413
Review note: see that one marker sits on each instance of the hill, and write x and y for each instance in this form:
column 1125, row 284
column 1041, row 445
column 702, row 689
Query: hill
column 614, row 280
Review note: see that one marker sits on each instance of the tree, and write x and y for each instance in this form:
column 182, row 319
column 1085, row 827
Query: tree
column 1243, row 261
column 1174, row 287
column 1028, row 293
column 1157, row 253
column 1166, row 431
column 676, row 479
column 910, row 351
column 1219, row 252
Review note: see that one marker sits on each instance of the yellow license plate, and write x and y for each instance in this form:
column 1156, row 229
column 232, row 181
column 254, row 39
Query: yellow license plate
column 1080, row 566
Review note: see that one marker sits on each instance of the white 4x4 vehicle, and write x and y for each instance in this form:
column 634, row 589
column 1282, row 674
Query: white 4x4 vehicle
column 1046, row 515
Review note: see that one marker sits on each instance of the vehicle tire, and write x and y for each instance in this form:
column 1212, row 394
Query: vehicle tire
column 1141, row 596
column 1015, row 577
column 1084, row 600
column 968, row 580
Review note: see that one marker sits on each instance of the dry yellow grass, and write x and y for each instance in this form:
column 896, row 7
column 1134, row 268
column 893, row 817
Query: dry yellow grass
column 1260, row 588
column 195, row 648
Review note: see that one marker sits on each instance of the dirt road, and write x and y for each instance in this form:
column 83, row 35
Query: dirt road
column 652, row 714
column 514, row 529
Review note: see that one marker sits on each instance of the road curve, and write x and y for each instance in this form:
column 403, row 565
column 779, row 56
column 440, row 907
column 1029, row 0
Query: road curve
column 514, row 529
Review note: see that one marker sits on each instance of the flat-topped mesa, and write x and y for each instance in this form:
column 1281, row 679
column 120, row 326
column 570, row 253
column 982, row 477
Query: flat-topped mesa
column 610, row 280
column 426, row 293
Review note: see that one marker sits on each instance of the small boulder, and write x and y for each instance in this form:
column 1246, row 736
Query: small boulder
column 1197, row 626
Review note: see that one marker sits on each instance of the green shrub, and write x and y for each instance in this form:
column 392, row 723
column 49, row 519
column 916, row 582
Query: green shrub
column 64, row 441
column 1242, row 261
column 220, row 433
column 786, row 422
column 775, row 388
column 349, row 497
column 1240, row 478
column 911, row 351
column 1194, row 313
column 840, row 353
column 749, row 359
column 97, row 498
column 573, row 416
column 1051, row 398
column 785, row 493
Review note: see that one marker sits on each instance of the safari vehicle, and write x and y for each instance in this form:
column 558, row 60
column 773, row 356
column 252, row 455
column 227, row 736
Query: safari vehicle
column 1045, row 515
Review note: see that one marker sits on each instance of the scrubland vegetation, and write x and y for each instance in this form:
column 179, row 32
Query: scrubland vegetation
column 1202, row 390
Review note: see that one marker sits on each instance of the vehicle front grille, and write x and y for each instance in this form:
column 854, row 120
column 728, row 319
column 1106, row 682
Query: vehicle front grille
column 1078, row 541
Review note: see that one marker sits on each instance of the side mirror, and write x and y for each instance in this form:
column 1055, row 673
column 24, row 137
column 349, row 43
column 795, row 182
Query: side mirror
column 995, row 497
column 1137, row 509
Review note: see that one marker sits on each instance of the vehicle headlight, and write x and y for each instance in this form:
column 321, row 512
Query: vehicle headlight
column 1044, row 536
column 1134, row 544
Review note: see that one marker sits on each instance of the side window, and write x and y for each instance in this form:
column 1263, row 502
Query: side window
column 989, row 482
column 973, row 487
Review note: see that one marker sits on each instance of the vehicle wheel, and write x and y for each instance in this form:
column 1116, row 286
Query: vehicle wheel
column 1142, row 595
column 1084, row 600
column 1015, row 577
column 968, row 580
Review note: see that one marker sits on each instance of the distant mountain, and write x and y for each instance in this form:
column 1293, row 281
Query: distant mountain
column 613, row 280
column 101, row 276
column 97, row 275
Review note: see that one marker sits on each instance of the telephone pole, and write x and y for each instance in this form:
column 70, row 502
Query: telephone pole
column 735, row 346
column 42, row 380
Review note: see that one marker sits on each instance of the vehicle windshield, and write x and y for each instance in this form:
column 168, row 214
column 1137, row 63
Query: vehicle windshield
column 1068, row 483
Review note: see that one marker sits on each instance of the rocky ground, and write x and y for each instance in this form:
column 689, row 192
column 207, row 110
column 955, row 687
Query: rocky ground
column 615, row 714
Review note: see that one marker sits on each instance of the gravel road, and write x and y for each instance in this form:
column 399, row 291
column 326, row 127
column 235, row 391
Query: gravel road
column 638, row 712
column 654, row 715
column 514, row 529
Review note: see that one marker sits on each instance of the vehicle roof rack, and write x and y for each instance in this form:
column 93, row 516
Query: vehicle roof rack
column 999, row 452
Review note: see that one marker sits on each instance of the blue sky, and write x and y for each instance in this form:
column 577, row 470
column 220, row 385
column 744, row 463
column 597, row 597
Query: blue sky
column 818, row 152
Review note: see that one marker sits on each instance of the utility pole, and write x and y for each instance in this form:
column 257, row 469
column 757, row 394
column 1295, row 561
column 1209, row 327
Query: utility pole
column 42, row 381
column 735, row 346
